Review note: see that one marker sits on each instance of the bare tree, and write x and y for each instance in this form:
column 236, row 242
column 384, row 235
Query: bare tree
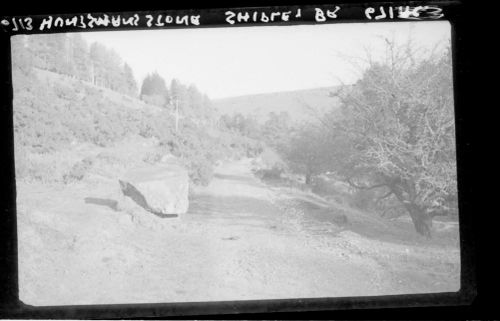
column 399, row 121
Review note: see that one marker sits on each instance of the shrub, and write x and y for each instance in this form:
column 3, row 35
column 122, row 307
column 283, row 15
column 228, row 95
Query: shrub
column 201, row 172
column 50, row 115
column 196, row 150
column 270, row 158
column 328, row 187
column 273, row 173
column 363, row 199
column 65, row 92
column 253, row 148
column 78, row 171
column 40, row 167
column 157, row 100
column 43, row 170
column 36, row 167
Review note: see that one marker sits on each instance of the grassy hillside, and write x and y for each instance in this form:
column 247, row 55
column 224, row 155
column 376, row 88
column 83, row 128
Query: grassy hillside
column 300, row 104
column 127, row 101
column 54, row 113
column 53, row 110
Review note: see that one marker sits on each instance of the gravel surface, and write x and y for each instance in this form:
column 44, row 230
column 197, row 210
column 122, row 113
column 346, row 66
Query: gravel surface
column 241, row 239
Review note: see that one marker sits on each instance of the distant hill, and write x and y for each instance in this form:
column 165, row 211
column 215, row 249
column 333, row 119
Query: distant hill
column 300, row 104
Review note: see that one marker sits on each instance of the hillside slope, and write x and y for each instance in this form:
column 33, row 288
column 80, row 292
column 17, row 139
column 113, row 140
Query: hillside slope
column 300, row 104
column 58, row 80
column 52, row 110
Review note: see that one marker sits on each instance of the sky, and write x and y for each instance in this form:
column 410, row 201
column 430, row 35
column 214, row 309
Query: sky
column 235, row 61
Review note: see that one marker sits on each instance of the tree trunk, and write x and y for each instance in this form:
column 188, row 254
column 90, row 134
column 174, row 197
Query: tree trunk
column 420, row 219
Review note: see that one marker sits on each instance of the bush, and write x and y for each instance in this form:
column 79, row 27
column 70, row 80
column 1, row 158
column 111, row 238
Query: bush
column 50, row 115
column 201, row 172
column 78, row 171
column 36, row 167
column 322, row 186
column 43, row 170
column 65, row 92
column 270, row 158
column 157, row 100
column 363, row 199
column 328, row 186
column 273, row 173
column 253, row 148
column 197, row 150
column 40, row 167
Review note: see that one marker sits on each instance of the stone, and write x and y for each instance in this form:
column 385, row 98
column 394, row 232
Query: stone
column 160, row 189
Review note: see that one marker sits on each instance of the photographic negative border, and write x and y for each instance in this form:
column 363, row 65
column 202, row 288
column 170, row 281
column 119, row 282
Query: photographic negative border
column 217, row 16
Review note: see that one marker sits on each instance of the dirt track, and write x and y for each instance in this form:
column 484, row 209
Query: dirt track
column 239, row 241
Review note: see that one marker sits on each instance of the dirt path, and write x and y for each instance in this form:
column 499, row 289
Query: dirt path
column 237, row 242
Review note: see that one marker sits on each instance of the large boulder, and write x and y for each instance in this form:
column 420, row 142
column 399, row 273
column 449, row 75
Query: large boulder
column 161, row 189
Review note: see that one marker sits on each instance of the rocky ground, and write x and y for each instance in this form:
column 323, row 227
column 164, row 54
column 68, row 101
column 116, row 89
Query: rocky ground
column 241, row 239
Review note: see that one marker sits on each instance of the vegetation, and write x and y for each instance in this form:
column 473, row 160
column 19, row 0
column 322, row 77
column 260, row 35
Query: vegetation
column 308, row 153
column 70, row 55
column 59, row 105
column 154, row 90
column 390, row 139
column 394, row 136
